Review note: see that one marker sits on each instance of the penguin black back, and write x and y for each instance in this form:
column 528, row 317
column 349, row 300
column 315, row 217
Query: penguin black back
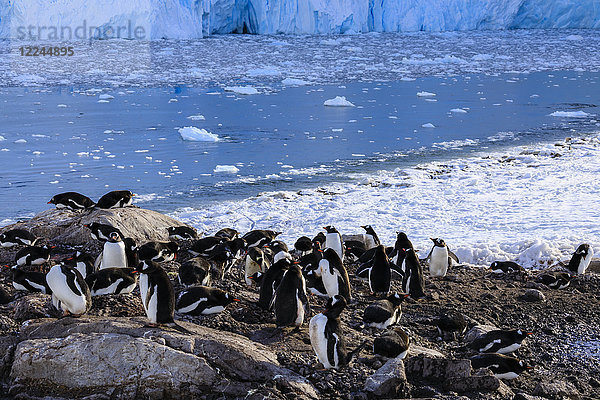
column 380, row 275
column 181, row 233
column 115, row 199
column 290, row 303
column 72, row 200
column 270, row 282
column 16, row 237
column 416, row 284
column 156, row 290
column 102, row 232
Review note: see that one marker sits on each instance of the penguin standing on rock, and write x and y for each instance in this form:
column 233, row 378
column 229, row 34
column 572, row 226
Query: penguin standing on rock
column 202, row 300
column 440, row 258
column 503, row 367
column 156, row 291
column 182, row 233
column 500, row 341
column 33, row 255
column 384, row 313
column 17, row 237
column 581, row 259
column 256, row 261
column 413, row 282
column 72, row 201
column 113, row 253
column 334, row 275
column 30, row 281
column 112, row 281
column 378, row 272
column 270, row 282
column 401, row 243
column 70, row 292
column 333, row 240
column 290, row 302
column 116, row 199
column 102, row 231
column 371, row 239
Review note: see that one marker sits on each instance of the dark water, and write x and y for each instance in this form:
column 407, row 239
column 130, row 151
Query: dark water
column 283, row 138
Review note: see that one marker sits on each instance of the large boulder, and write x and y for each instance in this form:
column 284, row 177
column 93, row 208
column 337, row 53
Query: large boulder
column 123, row 357
column 388, row 381
column 62, row 226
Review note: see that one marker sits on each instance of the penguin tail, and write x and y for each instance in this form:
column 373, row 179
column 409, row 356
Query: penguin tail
column 356, row 351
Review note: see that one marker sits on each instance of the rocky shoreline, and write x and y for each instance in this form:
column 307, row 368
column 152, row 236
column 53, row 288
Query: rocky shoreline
column 239, row 353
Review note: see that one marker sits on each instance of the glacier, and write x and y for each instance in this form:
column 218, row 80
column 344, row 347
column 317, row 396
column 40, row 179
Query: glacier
column 190, row 19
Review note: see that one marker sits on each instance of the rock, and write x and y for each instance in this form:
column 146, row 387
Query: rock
column 525, row 396
column 7, row 348
column 387, row 381
column 62, row 226
column 481, row 382
column 414, row 351
column 5, row 296
column 62, row 356
column 31, row 306
column 437, row 369
column 556, row 390
column 594, row 266
column 533, row 295
column 477, row 331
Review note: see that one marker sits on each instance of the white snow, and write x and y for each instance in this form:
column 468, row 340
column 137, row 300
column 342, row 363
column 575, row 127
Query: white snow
column 229, row 169
column 426, row 94
column 193, row 134
column 245, row 90
column 338, row 101
column 570, row 114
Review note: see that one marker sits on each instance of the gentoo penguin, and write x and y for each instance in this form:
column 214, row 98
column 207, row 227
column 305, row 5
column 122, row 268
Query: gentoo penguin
column 195, row 271
column 131, row 253
column 156, row 290
column 499, row 341
column 353, row 250
column 303, row 246
column 333, row 240
column 311, row 260
column 158, row 251
column 368, row 256
column 371, row 239
column 413, row 282
column 113, row 253
column 392, row 344
column 202, row 300
column 260, row 237
column 503, row 367
column 504, row 267
column 82, row 262
column 70, row 292
column 112, row 281
column 581, row 259
column 555, row 279
column 102, row 231
column 228, row 253
column 33, row 255
column 327, row 336
column 203, row 246
column 401, row 243
column 334, row 275
column 182, row 233
column 279, row 249
column 451, row 324
column 290, row 303
column 320, row 237
column 72, row 201
column 440, row 258
column 270, row 282
column 116, row 199
column 384, row 313
column 378, row 272
column 314, row 283
column 255, row 262
column 30, row 281
column 227, row 233
column 17, row 237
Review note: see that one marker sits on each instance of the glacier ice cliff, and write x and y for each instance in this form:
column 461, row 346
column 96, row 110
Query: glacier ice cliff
column 181, row 19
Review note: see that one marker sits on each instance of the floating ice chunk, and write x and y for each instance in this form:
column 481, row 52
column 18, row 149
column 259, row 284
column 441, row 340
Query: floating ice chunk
column 62, row 106
column 36, row 153
column 194, row 134
column 83, row 154
column 570, row 114
column 428, row 125
column 295, row 82
column 426, row 94
column 481, row 57
column 2, row 138
column 407, row 79
column 574, row 37
column 338, row 101
column 106, row 97
column 103, row 101
column 458, row 111
column 20, row 141
column 198, row 117
column 173, row 100
column 228, row 169
column 246, row 90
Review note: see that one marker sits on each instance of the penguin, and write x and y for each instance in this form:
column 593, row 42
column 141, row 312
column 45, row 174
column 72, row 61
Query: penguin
column 112, row 281
column 158, row 251
column 255, row 262
column 384, row 313
column 505, row 267
column 203, row 246
column 371, row 239
column 72, row 201
column 113, row 253
column 413, row 282
column 228, row 253
column 279, row 249
column 131, row 253
column 290, row 302
column 451, row 324
column 581, row 259
column 401, row 243
column 499, row 341
column 353, row 250
column 392, row 344
column 202, row 300
column 17, row 237
column 333, row 240
column 270, row 283
column 227, row 233
column 311, row 260
column 440, row 258
column 260, row 237
column 82, row 262
column 366, row 258
column 556, row 280
column 156, row 291
column 33, row 255
column 181, row 233
column 378, row 272
column 195, row 271
column 503, row 367
column 320, row 237
column 303, row 246
column 116, row 199
column 334, row 275
column 30, row 281
column 314, row 284
column 70, row 292
column 102, row 231
column 327, row 336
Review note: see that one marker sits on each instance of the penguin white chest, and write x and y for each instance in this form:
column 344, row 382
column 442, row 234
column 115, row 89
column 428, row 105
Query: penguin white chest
column 69, row 300
column 299, row 311
column 318, row 340
column 334, row 241
column 252, row 267
column 438, row 263
column 585, row 262
column 330, row 281
column 113, row 255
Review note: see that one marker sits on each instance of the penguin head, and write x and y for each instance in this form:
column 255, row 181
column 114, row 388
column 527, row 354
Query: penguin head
column 227, row 298
column 330, row 229
column 52, row 200
column 583, row 249
column 319, row 238
column 438, row 242
column 114, row 237
column 130, row 244
column 522, row 334
column 368, row 228
column 380, row 252
column 525, row 365
column 146, row 267
column 397, row 298
column 335, row 306
column 401, row 236
column 331, row 255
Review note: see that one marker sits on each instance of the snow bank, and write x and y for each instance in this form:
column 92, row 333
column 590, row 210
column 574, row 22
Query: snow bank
column 338, row 101
column 193, row 134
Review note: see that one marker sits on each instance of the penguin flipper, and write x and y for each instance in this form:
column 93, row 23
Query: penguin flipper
column 397, row 270
column 332, row 344
column 304, row 299
column 363, row 271
column 452, row 256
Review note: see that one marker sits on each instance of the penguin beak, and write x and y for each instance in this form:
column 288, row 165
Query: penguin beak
column 406, row 295
column 320, row 251
column 529, row 333
column 236, row 300
column 50, row 202
column 530, row 367
column 175, row 256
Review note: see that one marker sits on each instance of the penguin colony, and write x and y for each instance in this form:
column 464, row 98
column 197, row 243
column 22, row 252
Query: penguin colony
column 284, row 279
